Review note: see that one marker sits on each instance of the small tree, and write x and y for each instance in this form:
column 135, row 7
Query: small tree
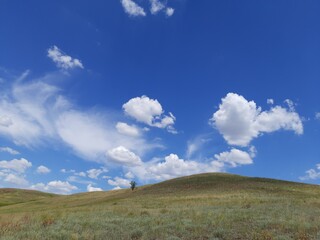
column 133, row 185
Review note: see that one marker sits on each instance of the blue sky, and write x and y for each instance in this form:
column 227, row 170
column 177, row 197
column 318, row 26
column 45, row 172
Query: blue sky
column 96, row 94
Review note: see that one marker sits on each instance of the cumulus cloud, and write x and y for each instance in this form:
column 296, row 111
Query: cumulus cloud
column 148, row 111
column 132, row 8
column 234, row 158
column 127, row 129
column 240, row 121
column 9, row 150
column 124, row 156
column 12, row 172
column 172, row 166
column 58, row 187
column 119, row 182
column 43, row 170
column 312, row 174
column 62, row 60
column 18, row 165
column 15, row 179
column 169, row 11
column 90, row 188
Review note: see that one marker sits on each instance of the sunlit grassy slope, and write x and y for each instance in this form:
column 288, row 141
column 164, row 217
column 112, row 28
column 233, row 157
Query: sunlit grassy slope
column 205, row 206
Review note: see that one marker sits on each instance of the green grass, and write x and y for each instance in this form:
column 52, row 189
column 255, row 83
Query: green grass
column 205, row 206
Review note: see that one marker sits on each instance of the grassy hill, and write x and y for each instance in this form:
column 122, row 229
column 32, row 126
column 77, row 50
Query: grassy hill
column 204, row 206
column 10, row 196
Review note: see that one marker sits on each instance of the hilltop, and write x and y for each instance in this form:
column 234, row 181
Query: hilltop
column 203, row 206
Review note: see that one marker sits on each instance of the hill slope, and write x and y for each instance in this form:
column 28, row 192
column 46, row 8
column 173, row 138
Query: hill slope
column 10, row 196
column 204, row 206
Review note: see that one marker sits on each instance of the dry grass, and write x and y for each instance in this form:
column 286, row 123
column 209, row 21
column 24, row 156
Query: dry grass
column 206, row 206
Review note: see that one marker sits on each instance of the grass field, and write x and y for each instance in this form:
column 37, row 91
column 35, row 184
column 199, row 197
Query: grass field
column 205, row 206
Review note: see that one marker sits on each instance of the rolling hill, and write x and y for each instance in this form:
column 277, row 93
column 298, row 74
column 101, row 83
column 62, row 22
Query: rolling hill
column 203, row 206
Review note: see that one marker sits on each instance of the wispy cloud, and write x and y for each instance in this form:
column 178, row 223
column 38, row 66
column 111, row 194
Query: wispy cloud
column 9, row 150
column 39, row 114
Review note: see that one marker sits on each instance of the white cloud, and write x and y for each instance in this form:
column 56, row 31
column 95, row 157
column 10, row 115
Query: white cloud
column 42, row 116
column 252, row 151
column 80, row 174
column 318, row 115
column 77, row 179
column 9, row 150
column 132, row 8
column 156, row 6
column 234, row 158
column 128, row 130
column 270, row 101
column 169, row 12
column 173, row 166
column 67, row 171
column 5, row 121
column 240, row 121
column 31, row 107
column 119, row 182
column 196, row 144
column 12, row 172
column 129, row 175
column 58, row 187
column 62, row 60
column 43, row 170
column 95, row 173
column 148, row 111
column 124, row 156
column 91, row 141
column 18, row 165
column 93, row 189
column 17, row 180
column 312, row 174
